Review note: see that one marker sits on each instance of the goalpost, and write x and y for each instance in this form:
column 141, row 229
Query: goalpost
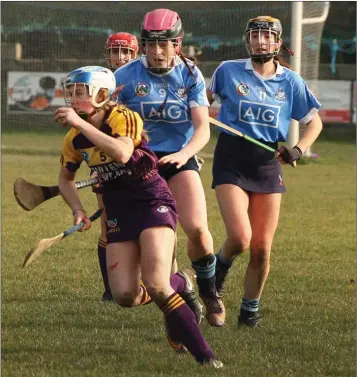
column 306, row 33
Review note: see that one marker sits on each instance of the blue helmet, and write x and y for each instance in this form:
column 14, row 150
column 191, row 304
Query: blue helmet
column 95, row 78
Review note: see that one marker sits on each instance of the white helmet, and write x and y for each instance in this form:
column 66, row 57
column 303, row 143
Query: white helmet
column 95, row 78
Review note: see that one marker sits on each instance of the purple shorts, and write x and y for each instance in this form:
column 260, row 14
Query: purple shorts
column 133, row 209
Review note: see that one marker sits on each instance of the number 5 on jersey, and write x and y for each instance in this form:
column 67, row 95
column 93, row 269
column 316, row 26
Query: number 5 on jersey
column 103, row 157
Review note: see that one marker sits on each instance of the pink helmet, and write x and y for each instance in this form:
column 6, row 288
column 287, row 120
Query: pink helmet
column 162, row 24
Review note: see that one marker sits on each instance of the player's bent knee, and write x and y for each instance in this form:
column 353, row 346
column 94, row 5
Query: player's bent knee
column 197, row 234
column 238, row 244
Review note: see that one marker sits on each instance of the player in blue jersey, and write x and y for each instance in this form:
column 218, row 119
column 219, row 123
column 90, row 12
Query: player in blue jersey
column 259, row 97
column 168, row 91
column 140, row 210
column 120, row 48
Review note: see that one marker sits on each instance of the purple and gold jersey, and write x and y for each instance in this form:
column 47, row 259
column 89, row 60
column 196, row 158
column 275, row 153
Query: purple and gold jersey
column 118, row 122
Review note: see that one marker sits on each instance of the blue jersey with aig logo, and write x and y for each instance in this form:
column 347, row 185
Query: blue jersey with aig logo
column 163, row 101
column 260, row 107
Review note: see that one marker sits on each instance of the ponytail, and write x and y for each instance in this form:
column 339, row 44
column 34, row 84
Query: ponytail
column 279, row 58
column 184, row 59
column 194, row 60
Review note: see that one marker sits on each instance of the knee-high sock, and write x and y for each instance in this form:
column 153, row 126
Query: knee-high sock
column 206, row 280
column 178, row 283
column 145, row 299
column 103, row 263
column 182, row 327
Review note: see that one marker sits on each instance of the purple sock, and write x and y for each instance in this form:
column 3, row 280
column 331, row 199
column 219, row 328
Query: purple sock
column 178, row 283
column 182, row 327
column 102, row 258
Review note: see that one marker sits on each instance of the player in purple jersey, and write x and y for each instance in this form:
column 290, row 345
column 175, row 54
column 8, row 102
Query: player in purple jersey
column 120, row 48
column 141, row 213
column 259, row 97
column 168, row 91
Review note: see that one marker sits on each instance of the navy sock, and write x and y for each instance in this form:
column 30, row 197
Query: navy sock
column 206, row 279
column 223, row 261
column 250, row 305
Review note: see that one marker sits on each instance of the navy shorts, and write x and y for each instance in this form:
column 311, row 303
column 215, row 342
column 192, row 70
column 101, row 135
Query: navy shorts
column 239, row 162
column 135, row 208
column 169, row 170
column 98, row 188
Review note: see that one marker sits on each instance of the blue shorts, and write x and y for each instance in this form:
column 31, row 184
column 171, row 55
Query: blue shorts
column 133, row 209
column 239, row 162
column 169, row 170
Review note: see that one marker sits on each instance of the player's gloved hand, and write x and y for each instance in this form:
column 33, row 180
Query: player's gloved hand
column 289, row 155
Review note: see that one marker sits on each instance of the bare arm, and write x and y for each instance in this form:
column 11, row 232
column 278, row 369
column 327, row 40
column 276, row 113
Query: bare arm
column 69, row 193
column 313, row 130
column 120, row 149
column 201, row 133
column 68, row 189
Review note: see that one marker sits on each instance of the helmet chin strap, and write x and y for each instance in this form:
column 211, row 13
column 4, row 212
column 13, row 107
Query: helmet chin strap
column 87, row 116
column 159, row 71
column 261, row 59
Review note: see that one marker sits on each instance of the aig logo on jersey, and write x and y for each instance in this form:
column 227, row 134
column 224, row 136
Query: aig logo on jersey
column 242, row 89
column 259, row 114
column 280, row 95
column 142, row 90
column 171, row 113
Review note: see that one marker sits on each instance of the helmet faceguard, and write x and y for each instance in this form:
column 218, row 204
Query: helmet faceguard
column 162, row 26
column 120, row 48
column 262, row 51
column 90, row 80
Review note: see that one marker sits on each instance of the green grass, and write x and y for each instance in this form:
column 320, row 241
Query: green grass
column 53, row 323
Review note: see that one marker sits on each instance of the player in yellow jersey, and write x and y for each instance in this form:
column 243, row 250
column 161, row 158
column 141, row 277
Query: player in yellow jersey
column 119, row 49
column 141, row 213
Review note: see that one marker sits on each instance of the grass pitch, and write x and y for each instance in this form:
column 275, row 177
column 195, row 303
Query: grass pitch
column 53, row 323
